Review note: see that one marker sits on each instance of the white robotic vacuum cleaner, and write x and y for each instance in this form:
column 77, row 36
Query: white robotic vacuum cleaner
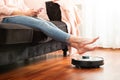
column 88, row 62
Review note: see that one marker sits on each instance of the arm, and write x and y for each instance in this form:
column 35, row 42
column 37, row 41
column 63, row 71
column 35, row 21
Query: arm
column 9, row 11
column 4, row 10
column 30, row 12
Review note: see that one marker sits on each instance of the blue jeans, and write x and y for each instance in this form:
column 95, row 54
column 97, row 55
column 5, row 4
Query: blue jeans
column 46, row 27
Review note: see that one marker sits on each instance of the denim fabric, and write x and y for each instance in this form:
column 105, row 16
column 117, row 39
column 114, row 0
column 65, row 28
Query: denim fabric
column 46, row 27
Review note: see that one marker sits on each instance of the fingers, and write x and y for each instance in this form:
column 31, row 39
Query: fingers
column 33, row 12
column 39, row 10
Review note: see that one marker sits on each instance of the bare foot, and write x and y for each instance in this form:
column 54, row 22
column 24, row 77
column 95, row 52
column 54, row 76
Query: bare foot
column 86, row 49
column 87, row 41
column 81, row 42
column 83, row 49
column 84, row 45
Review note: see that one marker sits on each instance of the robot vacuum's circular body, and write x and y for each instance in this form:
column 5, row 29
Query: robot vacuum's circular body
column 88, row 62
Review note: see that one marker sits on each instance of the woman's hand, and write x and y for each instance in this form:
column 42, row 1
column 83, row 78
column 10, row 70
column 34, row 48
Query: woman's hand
column 30, row 12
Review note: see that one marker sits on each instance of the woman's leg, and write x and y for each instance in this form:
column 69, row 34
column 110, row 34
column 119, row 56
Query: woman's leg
column 48, row 28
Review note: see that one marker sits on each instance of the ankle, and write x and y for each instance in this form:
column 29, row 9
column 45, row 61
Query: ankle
column 72, row 39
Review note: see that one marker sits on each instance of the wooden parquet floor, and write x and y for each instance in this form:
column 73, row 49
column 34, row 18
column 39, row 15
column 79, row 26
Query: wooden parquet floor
column 60, row 68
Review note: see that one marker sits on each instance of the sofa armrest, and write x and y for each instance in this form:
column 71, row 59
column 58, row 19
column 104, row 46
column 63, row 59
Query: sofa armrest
column 53, row 11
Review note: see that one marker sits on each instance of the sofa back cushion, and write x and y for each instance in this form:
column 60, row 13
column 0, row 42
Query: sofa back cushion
column 53, row 11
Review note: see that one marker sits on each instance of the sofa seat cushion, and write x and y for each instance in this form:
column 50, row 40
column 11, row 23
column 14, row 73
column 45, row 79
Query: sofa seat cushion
column 14, row 34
